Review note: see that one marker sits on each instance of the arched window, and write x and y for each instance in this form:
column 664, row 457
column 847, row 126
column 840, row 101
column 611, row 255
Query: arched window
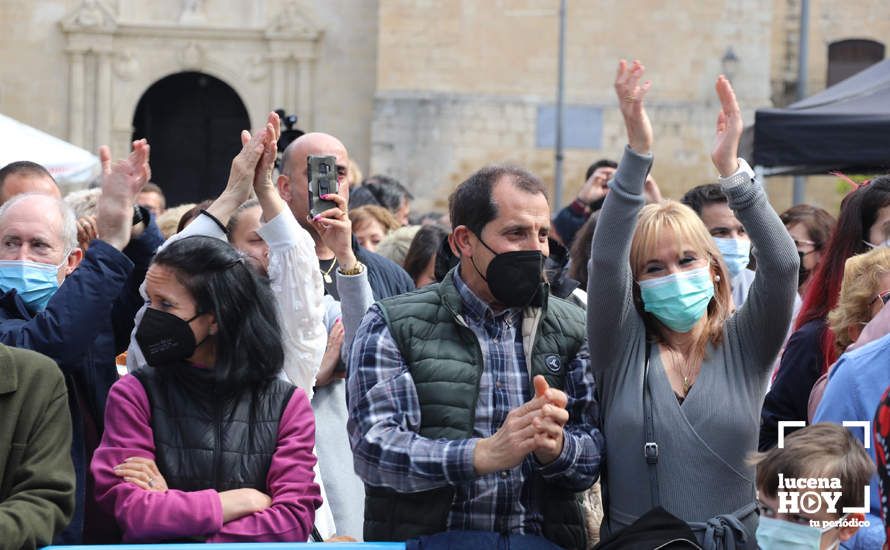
column 848, row 57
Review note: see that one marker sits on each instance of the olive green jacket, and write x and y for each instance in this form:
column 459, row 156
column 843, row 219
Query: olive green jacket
column 36, row 472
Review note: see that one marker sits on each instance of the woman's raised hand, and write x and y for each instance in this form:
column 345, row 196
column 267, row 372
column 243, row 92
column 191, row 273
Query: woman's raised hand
column 725, row 155
column 630, row 99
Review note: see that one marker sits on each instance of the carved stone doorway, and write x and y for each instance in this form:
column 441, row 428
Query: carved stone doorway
column 193, row 122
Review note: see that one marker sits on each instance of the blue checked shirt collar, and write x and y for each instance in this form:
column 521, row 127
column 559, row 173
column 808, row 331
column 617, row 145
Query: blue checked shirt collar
column 477, row 309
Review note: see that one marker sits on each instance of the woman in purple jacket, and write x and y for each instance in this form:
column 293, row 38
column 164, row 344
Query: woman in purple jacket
column 208, row 443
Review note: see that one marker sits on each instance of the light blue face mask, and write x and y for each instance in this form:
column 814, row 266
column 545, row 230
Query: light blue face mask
column 776, row 534
column 736, row 253
column 678, row 300
column 35, row 282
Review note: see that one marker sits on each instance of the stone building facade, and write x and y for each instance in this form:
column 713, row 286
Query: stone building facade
column 427, row 90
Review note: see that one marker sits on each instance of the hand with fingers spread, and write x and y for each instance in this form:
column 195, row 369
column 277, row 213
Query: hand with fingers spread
column 121, row 182
column 725, row 155
column 335, row 229
column 630, row 99
column 142, row 472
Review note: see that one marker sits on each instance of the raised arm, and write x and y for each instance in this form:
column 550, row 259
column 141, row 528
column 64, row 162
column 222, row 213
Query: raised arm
column 763, row 319
column 611, row 314
column 293, row 273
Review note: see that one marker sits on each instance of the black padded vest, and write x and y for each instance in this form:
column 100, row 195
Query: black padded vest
column 204, row 441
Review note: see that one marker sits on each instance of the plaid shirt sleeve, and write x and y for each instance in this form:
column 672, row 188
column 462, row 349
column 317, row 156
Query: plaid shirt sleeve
column 384, row 419
column 577, row 466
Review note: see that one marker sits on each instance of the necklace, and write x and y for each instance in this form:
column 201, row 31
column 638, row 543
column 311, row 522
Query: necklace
column 326, row 275
column 686, row 375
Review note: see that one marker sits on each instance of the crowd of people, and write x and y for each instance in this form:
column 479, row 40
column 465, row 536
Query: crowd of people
column 631, row 371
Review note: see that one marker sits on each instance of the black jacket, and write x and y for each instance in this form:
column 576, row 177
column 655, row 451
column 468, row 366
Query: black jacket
column 789, row 395
column 384, row 275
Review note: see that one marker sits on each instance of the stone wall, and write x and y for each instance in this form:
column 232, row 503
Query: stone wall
column 459, row 84
column 77, row 68
column 449, row 71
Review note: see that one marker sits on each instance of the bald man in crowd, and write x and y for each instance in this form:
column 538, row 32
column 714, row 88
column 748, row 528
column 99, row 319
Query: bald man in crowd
column 345, row 491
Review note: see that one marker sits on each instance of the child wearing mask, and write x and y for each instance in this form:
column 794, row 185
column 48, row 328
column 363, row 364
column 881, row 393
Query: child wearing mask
column 841, row 468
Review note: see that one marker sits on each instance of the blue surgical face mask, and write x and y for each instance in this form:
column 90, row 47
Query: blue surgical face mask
column 776, row 534
column 736, row 253
column 35, row 282
column 678, row 300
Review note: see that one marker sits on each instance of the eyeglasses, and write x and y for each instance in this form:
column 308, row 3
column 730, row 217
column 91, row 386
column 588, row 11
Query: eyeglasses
column 802, row 244
column 884, row 296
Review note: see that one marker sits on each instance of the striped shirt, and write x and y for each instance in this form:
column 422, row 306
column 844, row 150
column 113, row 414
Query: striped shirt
column 384, row 420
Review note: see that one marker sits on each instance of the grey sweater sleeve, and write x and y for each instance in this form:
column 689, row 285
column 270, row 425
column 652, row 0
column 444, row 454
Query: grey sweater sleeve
column 612, row 319
column 763, row 319
column 355, row 299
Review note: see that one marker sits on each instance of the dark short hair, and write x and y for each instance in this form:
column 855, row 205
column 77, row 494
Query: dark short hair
column 602, row 163
column 703, row 195
column 471, row 204
column 249, row 352
column 25, row 168
column 423, row 248
column 387, row 191
column 152, row 187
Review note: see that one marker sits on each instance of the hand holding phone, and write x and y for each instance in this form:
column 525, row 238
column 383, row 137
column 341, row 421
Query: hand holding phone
column 322, row 181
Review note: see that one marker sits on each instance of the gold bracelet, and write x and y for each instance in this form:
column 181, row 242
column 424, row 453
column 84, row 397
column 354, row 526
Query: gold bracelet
column 358, row 268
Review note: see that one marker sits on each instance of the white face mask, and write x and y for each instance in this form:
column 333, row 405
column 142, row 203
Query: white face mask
column 885, row 244
column 777, row 534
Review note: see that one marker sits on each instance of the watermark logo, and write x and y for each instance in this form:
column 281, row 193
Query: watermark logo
column 840, row 523
column 815, row 495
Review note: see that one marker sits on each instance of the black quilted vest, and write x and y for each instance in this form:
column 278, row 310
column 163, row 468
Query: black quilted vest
column 445, row 362
column 206, row 441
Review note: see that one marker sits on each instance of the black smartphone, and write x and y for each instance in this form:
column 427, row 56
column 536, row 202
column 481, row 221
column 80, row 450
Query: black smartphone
column 322, row 181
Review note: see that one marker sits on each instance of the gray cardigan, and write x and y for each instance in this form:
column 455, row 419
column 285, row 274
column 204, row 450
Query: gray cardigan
column 703, row 442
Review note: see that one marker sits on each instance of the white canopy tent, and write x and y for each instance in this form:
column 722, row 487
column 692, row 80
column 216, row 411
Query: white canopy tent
column 71, row 166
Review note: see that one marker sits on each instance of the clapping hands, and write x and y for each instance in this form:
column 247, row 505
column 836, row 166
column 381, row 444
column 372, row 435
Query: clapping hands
column 535, row 427
column 121, row 182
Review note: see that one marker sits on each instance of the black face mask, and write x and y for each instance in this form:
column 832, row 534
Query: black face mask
column 802, row 272
column 165, row 338
column 516, row 279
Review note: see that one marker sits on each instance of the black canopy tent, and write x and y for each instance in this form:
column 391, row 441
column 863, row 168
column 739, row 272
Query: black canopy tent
column 844, row 127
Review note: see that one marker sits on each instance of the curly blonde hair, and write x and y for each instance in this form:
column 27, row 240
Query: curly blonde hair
column 859, row 289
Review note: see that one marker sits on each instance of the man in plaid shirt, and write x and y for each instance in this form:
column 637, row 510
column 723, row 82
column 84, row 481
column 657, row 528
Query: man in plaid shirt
column 471, row 402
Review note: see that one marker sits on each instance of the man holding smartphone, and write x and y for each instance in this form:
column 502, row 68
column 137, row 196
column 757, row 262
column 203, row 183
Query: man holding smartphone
column 339, row 257
column 386, row 277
